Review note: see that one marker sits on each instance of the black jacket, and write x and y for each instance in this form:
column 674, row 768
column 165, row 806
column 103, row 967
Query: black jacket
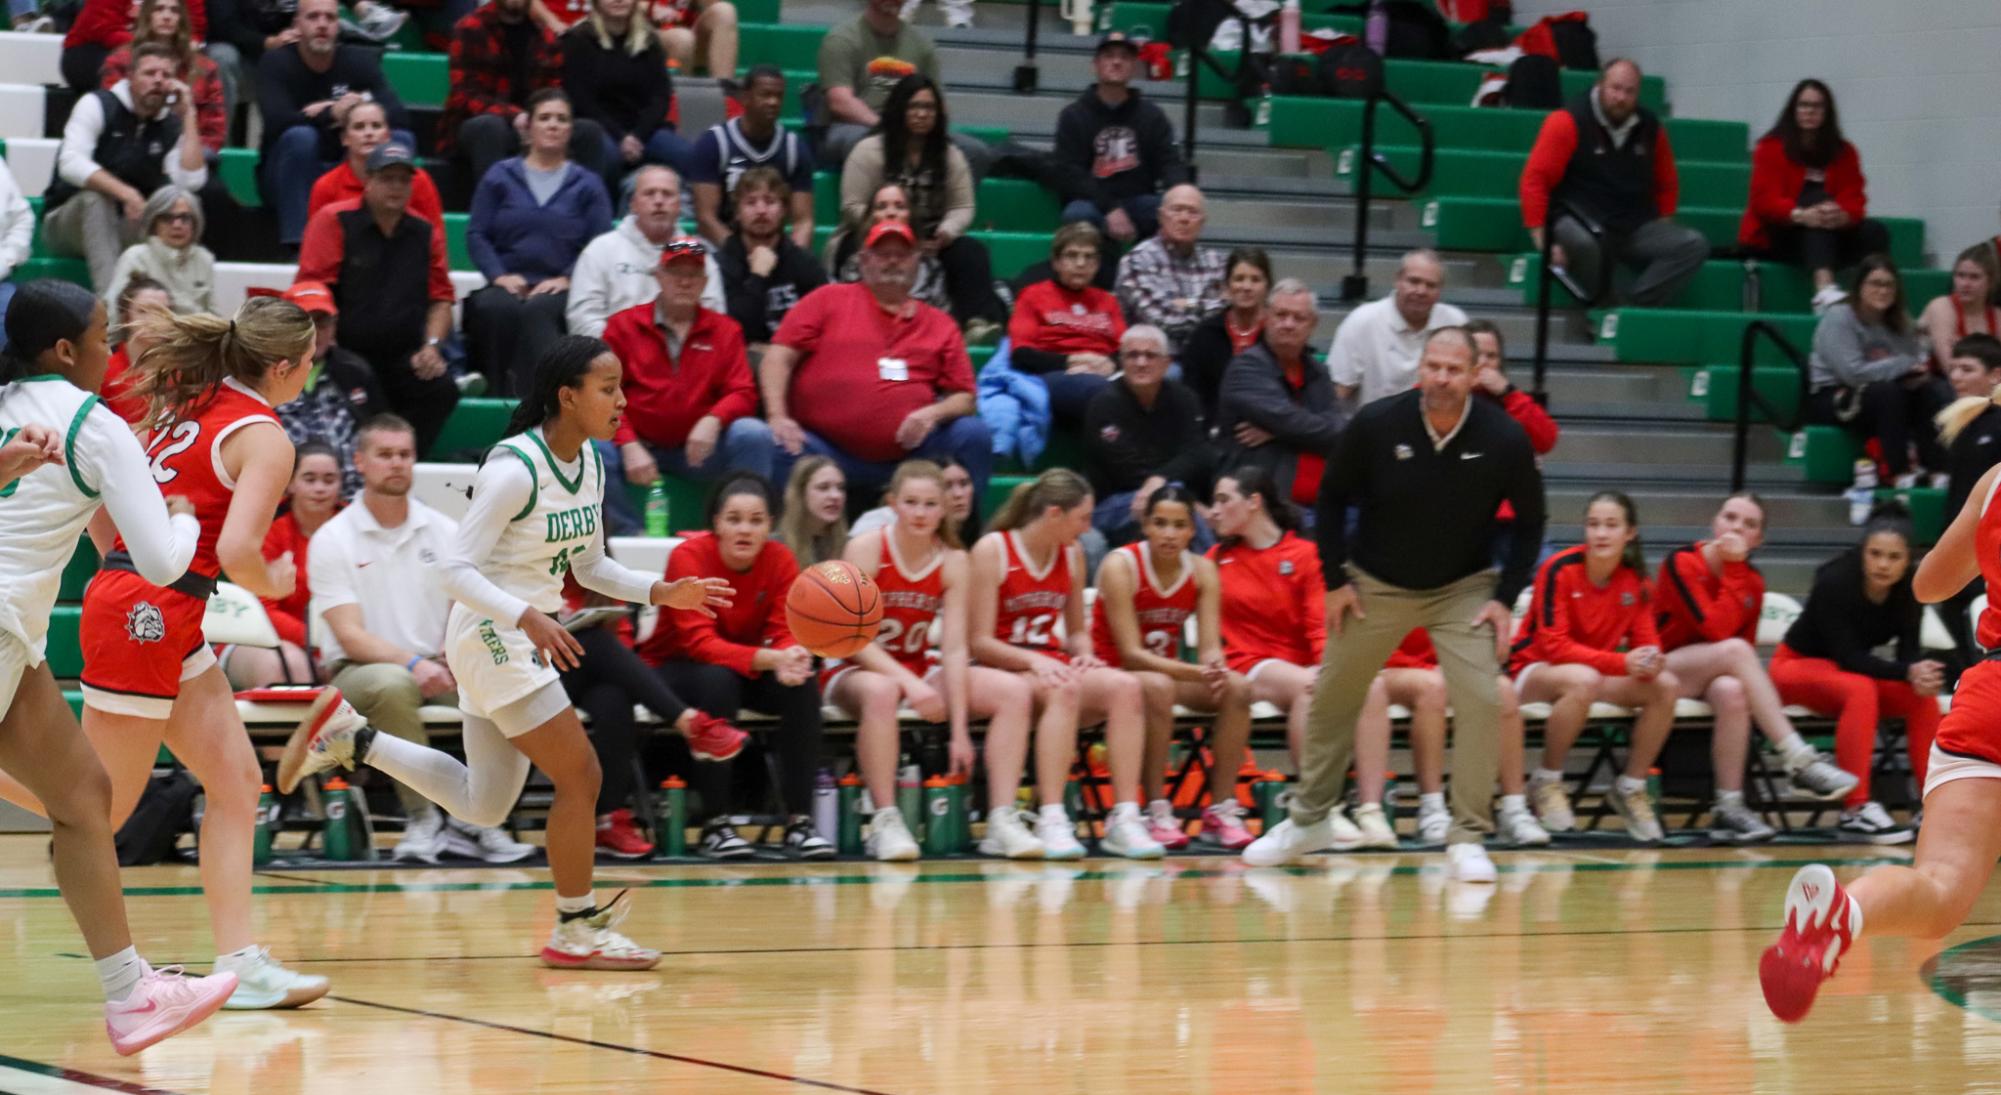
column 1204, row 357
column 759, row 304
column 285, row 86
column 1977, row 448
column 1125, row 442
column 1842, row 625
column 1110, row 153
column 1307, row 419
column 626, row 94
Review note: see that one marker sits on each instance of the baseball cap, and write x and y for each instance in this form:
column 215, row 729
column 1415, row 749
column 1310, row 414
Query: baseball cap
column 683, row 249
column 1116, row 39
column 390, row 154
column 886, row 230
column 312, row 297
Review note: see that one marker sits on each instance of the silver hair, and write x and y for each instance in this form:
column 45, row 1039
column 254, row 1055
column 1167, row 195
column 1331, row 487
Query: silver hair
column 1292, row 287
column 160, row 202
column 1143, row 332
column 1425, row 253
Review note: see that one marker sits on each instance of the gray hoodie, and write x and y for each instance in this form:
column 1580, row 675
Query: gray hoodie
column 615, row 272
column 1851, row 353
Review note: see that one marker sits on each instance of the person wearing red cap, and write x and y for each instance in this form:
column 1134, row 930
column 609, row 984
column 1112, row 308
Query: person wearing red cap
column 341, row 391
column 691, row 406
column 864, row 374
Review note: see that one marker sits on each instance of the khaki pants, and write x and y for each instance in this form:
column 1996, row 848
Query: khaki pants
column 92, row 227
column 388, row 697
column 1354, row 657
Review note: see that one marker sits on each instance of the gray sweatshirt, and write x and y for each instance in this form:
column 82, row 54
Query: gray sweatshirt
column 1851, row 353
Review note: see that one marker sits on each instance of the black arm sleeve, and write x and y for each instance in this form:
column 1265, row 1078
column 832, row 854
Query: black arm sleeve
column 1338, row 488
column 1525, row 495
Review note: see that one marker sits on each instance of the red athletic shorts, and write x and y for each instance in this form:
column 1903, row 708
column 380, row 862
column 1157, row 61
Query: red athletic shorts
column 1972, row 729
column 140, row 642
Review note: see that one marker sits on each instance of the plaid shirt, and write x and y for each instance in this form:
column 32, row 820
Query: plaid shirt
column 483, row 77
column 342, row 394
column 1172, row 292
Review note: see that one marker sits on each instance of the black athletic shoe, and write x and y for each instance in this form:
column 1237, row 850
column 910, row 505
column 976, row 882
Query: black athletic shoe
column 720, row 841
column 802, row 841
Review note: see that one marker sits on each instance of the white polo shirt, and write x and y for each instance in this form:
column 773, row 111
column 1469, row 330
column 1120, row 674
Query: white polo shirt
column 1376, row 350
column 392, row 573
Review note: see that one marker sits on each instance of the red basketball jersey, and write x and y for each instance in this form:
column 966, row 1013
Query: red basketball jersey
column 1031, row 604
column 1162, row 613
column 187, row 460
column 1415, row 652
column 1987, row 542
column 911, row 602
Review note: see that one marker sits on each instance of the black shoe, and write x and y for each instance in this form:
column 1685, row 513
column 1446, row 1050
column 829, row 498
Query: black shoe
column 802, row 841
column 720, row 841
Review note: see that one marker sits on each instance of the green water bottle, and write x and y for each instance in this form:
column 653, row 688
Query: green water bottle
column 267, row 826
column 910, row 797
column 1654, row 788
column 1390, row 798
column 674, row 816
column 1073, row 797
column 1268, row 792
column 937, row 817
column 338, row 829
column 849, row 838
column 656, row 508
column 962, row 827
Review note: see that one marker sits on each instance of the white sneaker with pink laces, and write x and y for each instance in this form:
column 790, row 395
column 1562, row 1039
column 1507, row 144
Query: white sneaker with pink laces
column 164, row 1003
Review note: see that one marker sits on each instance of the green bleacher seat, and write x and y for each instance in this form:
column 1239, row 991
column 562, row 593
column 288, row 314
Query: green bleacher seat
column 1014, row 205
column 1715, row 386
column 1488, row 174
column 1427, row 84
column 65, row 650
column 420, row 79
column 1667, row 336
column 456, row 252
column 757, row 11
column 998, row 488
column 75, row 270
column 35, row 245
column 980, row 355
column 81, row 569
column 475, row 425
column 239, row 174
column 1720, row 286
column 1066, row 450
column 1495, row 224
column 1927, row 506
column 74, row 697
column 1337, row 123
column 789, row 46
column 686, row 499
column 1827, row 454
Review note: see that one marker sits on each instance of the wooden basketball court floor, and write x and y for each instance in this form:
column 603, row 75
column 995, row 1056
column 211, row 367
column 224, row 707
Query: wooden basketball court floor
column 1582, row 970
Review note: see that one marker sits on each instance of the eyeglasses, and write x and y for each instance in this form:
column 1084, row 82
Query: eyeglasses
column 1078, row 256
column 1141, row 355
column 176, row 218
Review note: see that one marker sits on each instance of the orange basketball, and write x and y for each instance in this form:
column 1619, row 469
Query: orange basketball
column 833, row 609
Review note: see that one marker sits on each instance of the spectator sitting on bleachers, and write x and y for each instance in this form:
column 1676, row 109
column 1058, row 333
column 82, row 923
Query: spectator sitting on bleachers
column 699, row 28
column 1278, row 410
column 99, row 26
column 1274, row 621
column 499, row 58
column 959, row 506
column 119, row 146
column 691, row 405
column 725, row 151
column 1141, row 433
column 1590, row 638
column 245, row 30
column 744, row 656
column 387, row 272
column 616, row 73
column 1066, row 330
column 1377, row 347
column 171, row 253
column 162, row 21
column 765, row 272
column 1225, row 334
column 341, row 391
column 1117, row 148
column 532, row 215
column 1967, row 309
column 1808, row 194
column 366, row 129
column 1869, row 374
column 17, row 232
column 1171, row 281
column 813, row 517
column 1970, row 430
column 305, row 90
column 1608, row 156
column 375, row 589
column 859, row 63
column 1861, row 600
column 909, row 147
column 141, row 294
column 1490, row 381
column 888, row 203
column 311, row 498
column 615, row 271
column 867, row 375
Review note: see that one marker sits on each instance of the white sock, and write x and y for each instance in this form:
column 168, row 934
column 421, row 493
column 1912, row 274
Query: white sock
column 1514, row 804
column 1628, row 785
column 1724, row 798
column 1854, row 917
column 1795, row 751
column 1546, row 775
column 237, row 958
column 1160, row 807
column 1431, row 802
column 120, row 974
column 486, row 788
column 1126, row 809
column 1054, row 812
column 569, row 908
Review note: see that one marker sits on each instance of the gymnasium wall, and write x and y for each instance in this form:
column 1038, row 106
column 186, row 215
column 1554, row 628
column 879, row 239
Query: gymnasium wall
column 1918, row 85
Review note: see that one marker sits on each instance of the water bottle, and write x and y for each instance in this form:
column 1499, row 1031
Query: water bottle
column 1288, row 27
column 1376, row 31
column 826, row 804
column 656, row 508
column 910, row 796
column 1268, row 792
column 337, row 833
column 962, row 825
column 1862, row 496
column 267, row 825
column 1390, row 798
column 848, row 838
column 1263, row 118
column 674, row 815
column 938, row 838
column 1654, row 788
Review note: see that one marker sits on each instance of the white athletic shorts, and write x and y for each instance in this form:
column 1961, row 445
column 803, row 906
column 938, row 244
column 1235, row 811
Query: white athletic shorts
column 15, row 661
column 496, row 667
column 1946, row 767
column 1269, row 662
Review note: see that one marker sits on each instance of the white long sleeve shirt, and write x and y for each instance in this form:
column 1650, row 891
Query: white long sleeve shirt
column 74, row 162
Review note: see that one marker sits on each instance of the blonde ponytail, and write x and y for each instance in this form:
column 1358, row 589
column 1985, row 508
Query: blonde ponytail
column 1960, row 414
column 188, row 356
column 1059, row 487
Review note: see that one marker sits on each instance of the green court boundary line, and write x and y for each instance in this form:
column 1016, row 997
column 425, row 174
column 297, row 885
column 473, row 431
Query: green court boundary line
column 1100, row 875
column 1953, row 996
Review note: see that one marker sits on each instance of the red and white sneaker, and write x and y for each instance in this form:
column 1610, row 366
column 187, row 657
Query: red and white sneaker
column 323, row 740
column 1821, row 921
column 711, row 738
column 163, row 1004
column 591, row 943
column 618, row 836
column 1164, row 827
column 1223, row 827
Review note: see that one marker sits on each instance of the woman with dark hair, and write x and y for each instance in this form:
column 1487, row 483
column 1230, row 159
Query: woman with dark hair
column 1861, row 600
column 615, row 69
column 888, row 202
column 533, row 517
column 1247, row 283
column 912, row 147
column 1590, row 602
column 1808, row 195
column 531, row 217
column 1869, row 376
column 54, row 359
column 311, row 499
column 959, row 504
column 166, row 22
column 744, row 656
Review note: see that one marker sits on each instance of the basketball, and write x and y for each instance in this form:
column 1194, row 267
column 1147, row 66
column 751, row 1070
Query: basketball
column 833, row 609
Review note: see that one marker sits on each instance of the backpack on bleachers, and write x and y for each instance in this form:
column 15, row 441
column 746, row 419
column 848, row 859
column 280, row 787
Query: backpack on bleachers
column 1567, row 37
column 1486, row 34
column 1534, row 83
column 1350, row 71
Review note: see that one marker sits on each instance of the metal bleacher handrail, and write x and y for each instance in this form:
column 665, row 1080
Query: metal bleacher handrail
column 1747, row 393
column 1551, row 272
column 1355, row 286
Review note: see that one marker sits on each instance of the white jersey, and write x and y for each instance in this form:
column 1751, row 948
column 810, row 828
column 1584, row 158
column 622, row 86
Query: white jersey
column 560, row 520
column 44, row 513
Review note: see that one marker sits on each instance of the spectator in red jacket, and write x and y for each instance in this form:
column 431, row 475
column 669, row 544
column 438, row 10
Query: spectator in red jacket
column 1066, row 330
column 500, row 57
column 365, row 130
column 1607, row 157
column 745, row 656
column 1808, row 195
column 310, row 500
column 691, row 405
column 104, row 25
column 1491, row 382
column 164, row 21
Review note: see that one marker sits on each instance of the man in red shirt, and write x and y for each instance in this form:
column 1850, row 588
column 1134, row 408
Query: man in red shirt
column 1607, row 157
column 691, row 408
column 862, row 373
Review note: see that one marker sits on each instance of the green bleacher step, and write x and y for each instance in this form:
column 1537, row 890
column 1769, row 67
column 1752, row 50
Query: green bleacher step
column 998, row 488
column 65, row 648
column 1300, row 122
column 457, row 254
column 1495, row 224
column 1715, row 387
column 1719, row 287
column 1487, row 173
column 1826, row 454
column 239, row 173
column 81, row 569
column 474, row 426
column 1927, row 506
column 1667, row 336
column 419, row 79
column 792, row 47
column 1426, row 84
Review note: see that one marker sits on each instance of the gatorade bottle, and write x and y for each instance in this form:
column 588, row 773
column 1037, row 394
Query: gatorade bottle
column 1654, row 788
column 674, row 816
column 656, row 508
column 937, row 817
column 1268, row 790
column 849, row 838
column 338, row 829
column 962, row 826
column 910, row 797
column 267, row 824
